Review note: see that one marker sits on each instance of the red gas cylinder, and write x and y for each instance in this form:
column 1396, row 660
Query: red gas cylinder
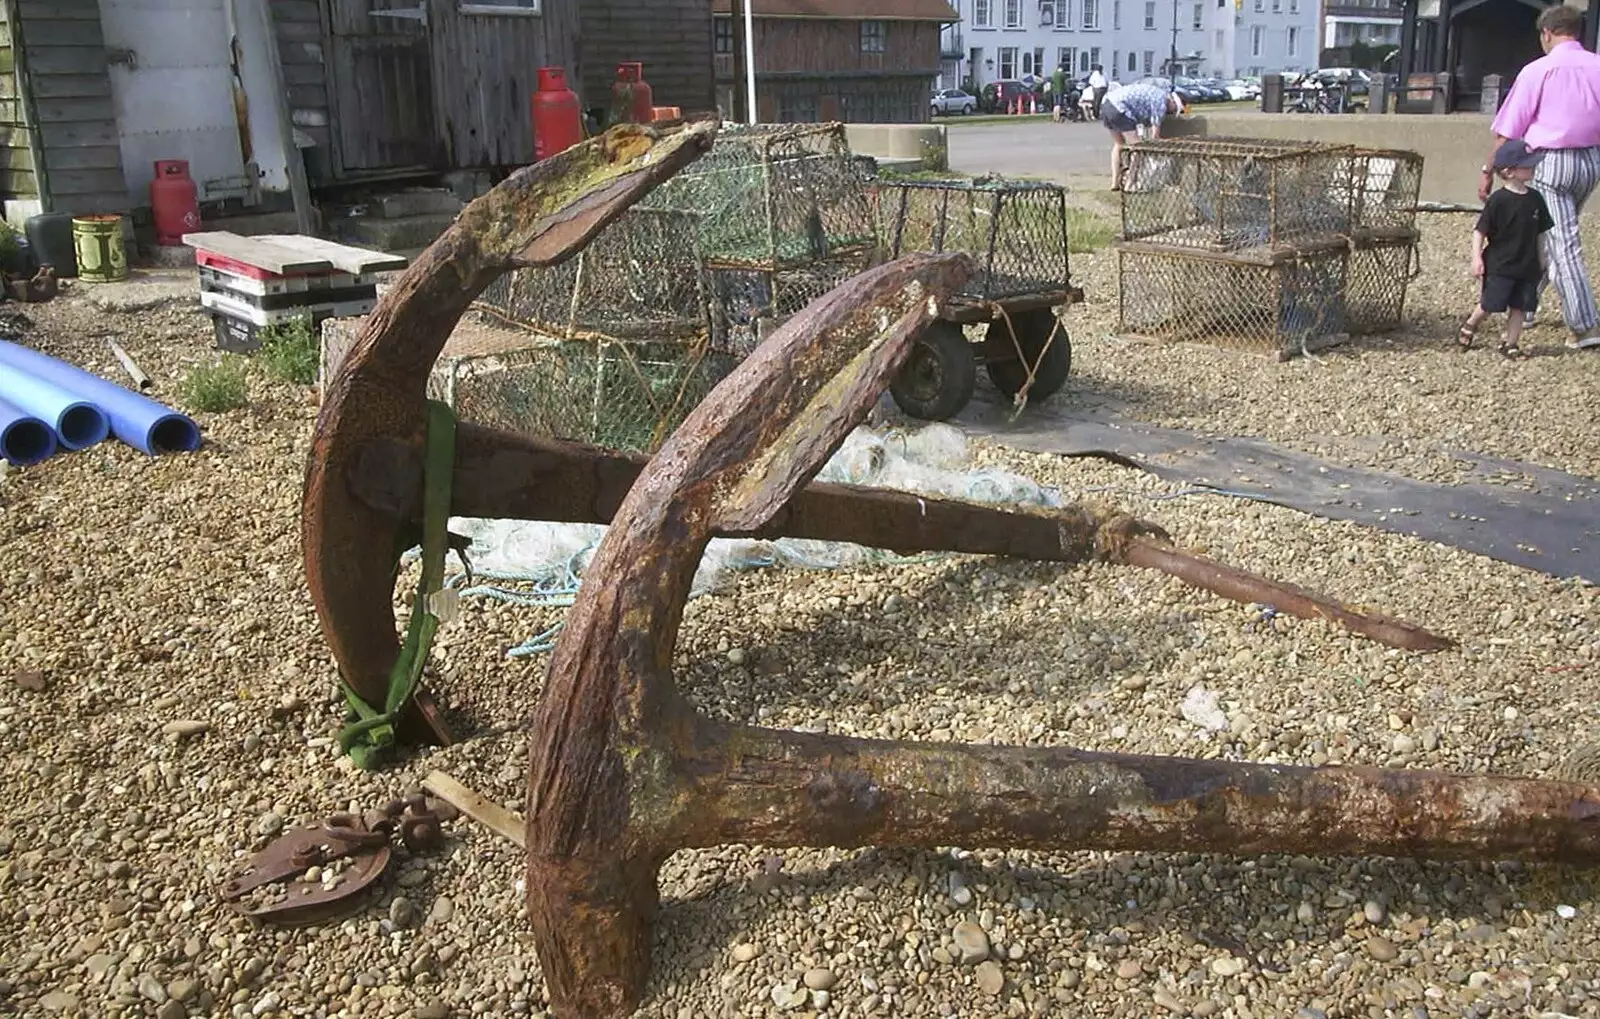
column 174, row 200
column 557, row 115
column 631, row 97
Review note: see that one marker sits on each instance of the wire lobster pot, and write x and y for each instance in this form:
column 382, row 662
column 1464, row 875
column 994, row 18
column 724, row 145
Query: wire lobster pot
column 774, row 196
column 1016, row 230
column 1236, row 194
column 1285, row 305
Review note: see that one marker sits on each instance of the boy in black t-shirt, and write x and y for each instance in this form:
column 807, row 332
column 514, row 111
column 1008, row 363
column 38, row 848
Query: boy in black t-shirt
column 1506, row 250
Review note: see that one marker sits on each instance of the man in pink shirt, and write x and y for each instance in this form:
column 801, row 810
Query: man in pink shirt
column 1554, row 108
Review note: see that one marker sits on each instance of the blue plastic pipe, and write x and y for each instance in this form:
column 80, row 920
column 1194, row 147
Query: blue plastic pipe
column 24, row 439
column 77, row 423
column 139, row 421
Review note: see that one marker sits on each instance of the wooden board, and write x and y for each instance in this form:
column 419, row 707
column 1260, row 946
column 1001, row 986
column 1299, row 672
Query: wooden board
column 343, row 256
column 261, row 254
column 484, row 811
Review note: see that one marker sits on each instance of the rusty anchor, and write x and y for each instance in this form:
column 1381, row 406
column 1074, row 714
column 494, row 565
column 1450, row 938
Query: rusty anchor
column 623, row 770
column 321, row 870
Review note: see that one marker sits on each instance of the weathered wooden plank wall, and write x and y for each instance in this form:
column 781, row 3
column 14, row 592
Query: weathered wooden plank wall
column 484, row 72
column 671, row 37
column 59, row 95
column 825, row 46
column 17, row 142
column 301, row 46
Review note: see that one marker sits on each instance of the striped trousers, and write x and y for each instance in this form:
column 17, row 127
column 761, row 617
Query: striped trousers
column 1566, row 178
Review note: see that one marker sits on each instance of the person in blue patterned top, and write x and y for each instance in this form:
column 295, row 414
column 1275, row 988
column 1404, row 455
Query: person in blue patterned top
column 1128, row 108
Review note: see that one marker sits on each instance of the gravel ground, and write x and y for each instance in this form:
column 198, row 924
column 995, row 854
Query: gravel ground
column 146, row 593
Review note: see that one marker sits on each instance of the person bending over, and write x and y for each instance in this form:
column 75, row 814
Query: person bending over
column 1128, row 108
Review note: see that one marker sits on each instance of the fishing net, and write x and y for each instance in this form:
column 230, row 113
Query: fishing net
column 540, row 564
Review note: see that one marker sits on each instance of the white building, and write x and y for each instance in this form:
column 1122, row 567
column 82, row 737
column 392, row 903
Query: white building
column 999, row 39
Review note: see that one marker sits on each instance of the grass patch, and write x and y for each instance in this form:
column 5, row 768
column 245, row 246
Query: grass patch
column 1087, row 232
column 289, row 350
column 215, row 388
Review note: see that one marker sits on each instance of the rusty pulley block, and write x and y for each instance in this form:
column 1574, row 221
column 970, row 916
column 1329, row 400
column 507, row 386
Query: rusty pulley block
column 624, row 770
column 318, row 873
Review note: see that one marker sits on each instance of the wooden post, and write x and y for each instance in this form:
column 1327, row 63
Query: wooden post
column 736, row 13
column 305, row 213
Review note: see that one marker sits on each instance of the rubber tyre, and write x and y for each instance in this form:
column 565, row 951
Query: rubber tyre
column 1033, row 330
column 939, row 376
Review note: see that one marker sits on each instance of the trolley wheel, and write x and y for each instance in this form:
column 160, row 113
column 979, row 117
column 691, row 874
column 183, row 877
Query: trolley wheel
column 1034, row 331
column 939, row 375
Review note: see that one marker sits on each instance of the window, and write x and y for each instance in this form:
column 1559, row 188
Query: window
column 1277, row 6
column 1199, row 15
column 1149, row 60
column 1094, row 56
column 1219, row 43
column 1294, row 42
column 1083, row 62
column 1149, row 14
column 1047, row 14
column 1038, row 61
column 800, row 109
column 1066, row 58
column 1261, row 5
column 1133, row 62
column 1014, row 13
column 1256, row 32
column 1091, row 15
column 524, row 7
column 874, row 37
column 1116, row 15
column 1008, row 61
column 1027, row 62
column 722, row 35
column 1294, row 6
column 983, row 14
column 1064, row 15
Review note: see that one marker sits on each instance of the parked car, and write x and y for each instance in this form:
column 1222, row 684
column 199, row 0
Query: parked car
column 1188, row 95
column 1353, row 80
column 953, row 101
column 998, row 96
column 1241, row 89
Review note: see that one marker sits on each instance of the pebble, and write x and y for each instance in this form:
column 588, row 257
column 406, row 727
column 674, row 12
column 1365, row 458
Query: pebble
column 1404, row 744
column 434, row 1009
column 402, row 912
column 1382, row 949
column 184, row 728
column 1566, row 912
column 150, row 987
column 269, row 824
column 1227, row 966
column 1127, row 969
column 1164, row 998
column 269, row 1003
column 172, row 1010
column 1374, row 911
column 789, row 996
column 1306, row 912
column 59, row 1001
column 820, row 979
column 971, row 941
column 736, row 656
column 745, row 952
column 441, row 912
column 1306, row 1012
column 991, row 979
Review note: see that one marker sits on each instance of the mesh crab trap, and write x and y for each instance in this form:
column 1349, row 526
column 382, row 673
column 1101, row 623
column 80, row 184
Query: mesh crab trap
column 1284, row 305
column 1017, row 230
column 1235, row 194
column 1383, row 186
column 774, row 196
column 1380, row 273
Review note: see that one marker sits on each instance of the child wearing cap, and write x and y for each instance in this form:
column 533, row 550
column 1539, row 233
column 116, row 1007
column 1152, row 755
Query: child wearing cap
column 1506, row 250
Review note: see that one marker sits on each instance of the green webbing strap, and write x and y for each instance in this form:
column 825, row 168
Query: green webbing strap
column 366, row 739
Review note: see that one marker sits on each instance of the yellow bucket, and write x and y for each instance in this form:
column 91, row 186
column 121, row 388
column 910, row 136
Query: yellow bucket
column 102, row 254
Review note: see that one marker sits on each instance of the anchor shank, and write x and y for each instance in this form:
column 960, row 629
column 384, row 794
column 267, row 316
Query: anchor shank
column 777, row 788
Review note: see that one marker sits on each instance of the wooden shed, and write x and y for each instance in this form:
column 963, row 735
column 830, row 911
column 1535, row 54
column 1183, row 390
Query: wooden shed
column 93, row 91
column 60, row 146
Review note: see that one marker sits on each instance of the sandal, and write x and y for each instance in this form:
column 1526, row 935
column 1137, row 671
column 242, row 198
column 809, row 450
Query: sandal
column 1466, row 335
column 1512, row 352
